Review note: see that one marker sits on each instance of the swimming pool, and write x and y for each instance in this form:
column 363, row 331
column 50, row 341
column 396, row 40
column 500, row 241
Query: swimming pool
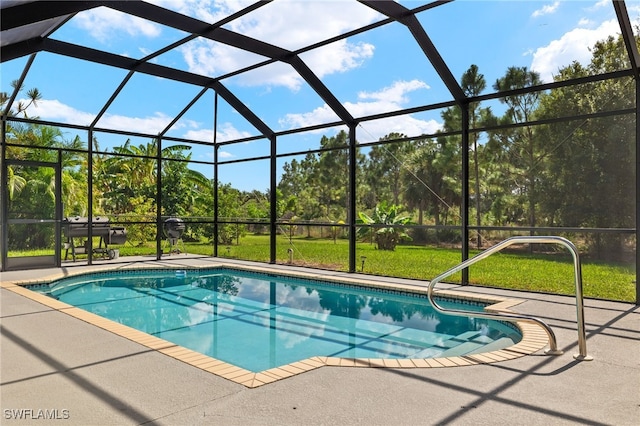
column 259, row 321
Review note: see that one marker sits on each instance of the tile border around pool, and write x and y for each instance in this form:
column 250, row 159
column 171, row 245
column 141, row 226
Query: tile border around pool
column 534, row 338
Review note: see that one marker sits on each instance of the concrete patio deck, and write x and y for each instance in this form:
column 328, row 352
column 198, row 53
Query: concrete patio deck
column 56, row 365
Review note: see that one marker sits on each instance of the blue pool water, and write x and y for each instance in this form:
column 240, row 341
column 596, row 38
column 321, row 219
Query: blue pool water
column 258, row 321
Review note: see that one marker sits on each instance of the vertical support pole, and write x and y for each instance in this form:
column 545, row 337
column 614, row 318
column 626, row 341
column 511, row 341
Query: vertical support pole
column 273, row 200
column 637, row 186
column 215, row 201
column 159, row 223
column 351, row 214
column 3, row 195
column 58, row 207
column 89, row 194
column 464, row 205
column 215, row 175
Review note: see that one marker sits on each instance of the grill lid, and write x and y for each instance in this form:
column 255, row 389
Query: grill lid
column 174, row 227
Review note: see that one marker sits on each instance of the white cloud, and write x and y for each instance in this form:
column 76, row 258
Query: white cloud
column 304, row 23
column 210, row 58
column 601, row 3
column 104, row 24
column 546, row 10
column 338, row 57
column 145, row 51
column 210, row 11
column 572, row 46
column 293, row 24
column 151, row 124
column 408, row 125
column 54, row 110
column 584, row 22
column 322, row 114
column 396, row 92
column 213, row 59
column 202, row 135
column 226, row 132
column 390, row 98
column 275, row 74
column 634, row 14
column 222, row 155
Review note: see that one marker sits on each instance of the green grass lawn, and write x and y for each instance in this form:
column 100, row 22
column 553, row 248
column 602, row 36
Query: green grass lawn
column 538, row 272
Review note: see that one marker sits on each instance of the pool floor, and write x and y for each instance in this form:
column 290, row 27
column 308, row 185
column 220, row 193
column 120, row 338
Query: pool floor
column 534, row 339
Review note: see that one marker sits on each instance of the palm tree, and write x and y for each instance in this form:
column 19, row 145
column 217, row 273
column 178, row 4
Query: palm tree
column 473, row 83
column 15, row 183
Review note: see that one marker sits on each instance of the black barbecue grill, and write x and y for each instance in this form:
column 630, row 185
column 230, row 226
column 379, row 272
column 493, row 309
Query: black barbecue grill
column 78, row 228
column 174, row 227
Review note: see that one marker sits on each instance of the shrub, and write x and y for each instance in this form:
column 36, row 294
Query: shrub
column 391, row 232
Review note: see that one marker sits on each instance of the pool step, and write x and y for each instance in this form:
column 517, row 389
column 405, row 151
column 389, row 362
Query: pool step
column 464, row 349
column 451, row 342
column 475, row 347
column 455, row 345
column 501, row 343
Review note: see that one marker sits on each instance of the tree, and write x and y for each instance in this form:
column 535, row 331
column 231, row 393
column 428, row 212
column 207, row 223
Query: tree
column 125, row 185
column 228, row 208
column 298, row 181
column 74, row 178
column 319, row 182
column 473, row 84
column 15, row 183
column 590, row 172
column 292, row 181
column 522, row 147
column 33, row 96
column 32, row 190
column 329, row 174
column 182, row 186
column 383, row 168
column 432, row 178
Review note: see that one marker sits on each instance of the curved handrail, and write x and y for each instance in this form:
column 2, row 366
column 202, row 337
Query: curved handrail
column 553, row 346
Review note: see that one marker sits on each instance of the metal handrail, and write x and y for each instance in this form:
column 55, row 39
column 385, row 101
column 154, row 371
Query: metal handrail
column 553, row 346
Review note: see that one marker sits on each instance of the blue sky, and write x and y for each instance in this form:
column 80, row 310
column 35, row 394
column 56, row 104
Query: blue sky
column 383, row 70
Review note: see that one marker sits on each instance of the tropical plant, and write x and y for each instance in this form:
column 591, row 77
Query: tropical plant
column 15, row 183
column 385, row 226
